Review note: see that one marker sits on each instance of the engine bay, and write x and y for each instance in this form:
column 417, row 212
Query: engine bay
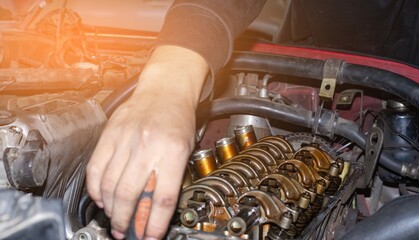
column 293, row 143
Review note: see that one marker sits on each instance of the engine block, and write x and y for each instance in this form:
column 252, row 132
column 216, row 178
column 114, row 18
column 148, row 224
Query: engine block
column 258, row 189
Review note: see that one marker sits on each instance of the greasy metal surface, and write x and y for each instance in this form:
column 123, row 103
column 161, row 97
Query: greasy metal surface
column 281, row 143
column 321, row 159
column 245, row 136
column 280, row 187
column 289, row 190
column 204, row 163
column 257, row 164
column 226, row 149
column 237, row 179
column 273, row 149
column 304, row 174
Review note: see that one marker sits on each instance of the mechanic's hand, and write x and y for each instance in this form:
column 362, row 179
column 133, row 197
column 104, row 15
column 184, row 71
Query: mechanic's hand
column 152, row 131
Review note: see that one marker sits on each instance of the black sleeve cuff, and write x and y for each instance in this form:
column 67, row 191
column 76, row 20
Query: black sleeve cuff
column 209, row 28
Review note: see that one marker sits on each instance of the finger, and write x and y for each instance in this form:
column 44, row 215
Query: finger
column 164, row 199
column 128, row 189
column 97, row 164
column 111, row 176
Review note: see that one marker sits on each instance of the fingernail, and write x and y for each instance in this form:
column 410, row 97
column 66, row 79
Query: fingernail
column 150, row 238
column 117, row 235
column 99, row 204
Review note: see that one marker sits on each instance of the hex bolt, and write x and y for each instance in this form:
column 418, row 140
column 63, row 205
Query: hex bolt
column 189, row 217
column 198, row 196
column 236, row 226
column 249, row 201
column 344, row 98
column 84, row 236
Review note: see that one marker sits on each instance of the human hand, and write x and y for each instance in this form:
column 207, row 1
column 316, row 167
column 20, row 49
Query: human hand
column 152, row 131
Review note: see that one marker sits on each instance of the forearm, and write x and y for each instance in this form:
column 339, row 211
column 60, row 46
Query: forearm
column 169, row 73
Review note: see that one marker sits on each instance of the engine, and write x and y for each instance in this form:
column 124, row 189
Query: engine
column 294, row 143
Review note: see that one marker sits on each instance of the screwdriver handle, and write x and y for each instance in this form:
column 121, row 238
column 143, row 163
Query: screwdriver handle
column 142, row 211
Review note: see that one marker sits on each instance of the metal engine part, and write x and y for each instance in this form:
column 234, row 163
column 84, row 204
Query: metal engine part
column 247, row 86
column 268, row 190
column 25, row 217
column 46, row 141
column 401, row 137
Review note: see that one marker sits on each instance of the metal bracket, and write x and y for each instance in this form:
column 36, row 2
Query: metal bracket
column 373, row 145
column 347, row 97
column 330, row 74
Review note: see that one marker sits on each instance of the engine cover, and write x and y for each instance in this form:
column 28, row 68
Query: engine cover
column 45, row 139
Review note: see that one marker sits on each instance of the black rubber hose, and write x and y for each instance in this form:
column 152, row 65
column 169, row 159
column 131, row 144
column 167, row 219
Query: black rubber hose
column 118, row 96
column 399, row 220
column 281, row 112
column 254, row 106
column 350, row 130
column 380, row 79
column 396, row 84
column 277, row 64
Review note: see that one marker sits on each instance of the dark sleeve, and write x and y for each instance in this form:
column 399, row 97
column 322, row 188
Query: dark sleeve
column 208, row 27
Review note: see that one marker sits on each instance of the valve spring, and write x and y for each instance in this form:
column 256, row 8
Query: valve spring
column 301, row 223
column 334, row 186
column 277, row 233
column 317, row 204
column 309, row 212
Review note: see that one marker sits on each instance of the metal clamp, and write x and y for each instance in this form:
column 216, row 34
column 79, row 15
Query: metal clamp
column 330, row 74
column 325, row 122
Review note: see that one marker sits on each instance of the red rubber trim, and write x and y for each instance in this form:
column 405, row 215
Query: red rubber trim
column 396, row 67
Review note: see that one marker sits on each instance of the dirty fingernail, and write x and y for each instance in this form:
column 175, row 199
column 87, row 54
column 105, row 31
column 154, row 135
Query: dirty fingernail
column 117, row 235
